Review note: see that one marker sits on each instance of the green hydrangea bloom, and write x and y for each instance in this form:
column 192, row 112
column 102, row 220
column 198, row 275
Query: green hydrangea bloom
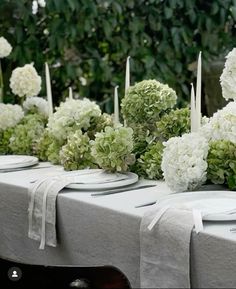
column 146, row 101
column 222, row 163
column 5, row 136
column 175, row 123
column 53, row 151
column 142, row 138
column 42, row 146
column 149, row 164
column 98, row 124
column 112, row 149
column 26, row 134
column 76, row 154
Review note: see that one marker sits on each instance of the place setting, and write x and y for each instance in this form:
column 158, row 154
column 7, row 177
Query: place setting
column 16, row 162
column 43, row 195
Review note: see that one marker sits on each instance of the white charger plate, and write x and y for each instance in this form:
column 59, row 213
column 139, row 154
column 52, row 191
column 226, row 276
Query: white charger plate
column 16, row 161
column 101, row 180
column 214, row 205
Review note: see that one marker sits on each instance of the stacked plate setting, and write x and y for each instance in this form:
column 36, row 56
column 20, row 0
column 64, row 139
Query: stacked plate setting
column 16, row 162
column 98, row 179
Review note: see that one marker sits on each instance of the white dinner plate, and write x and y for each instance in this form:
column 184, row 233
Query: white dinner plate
column 101, row 180
column 16, row 161
column 214, row 205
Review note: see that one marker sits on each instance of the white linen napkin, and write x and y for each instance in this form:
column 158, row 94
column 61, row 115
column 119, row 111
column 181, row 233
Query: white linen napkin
column 42, row 209
column 42, row 203
column 165, row 248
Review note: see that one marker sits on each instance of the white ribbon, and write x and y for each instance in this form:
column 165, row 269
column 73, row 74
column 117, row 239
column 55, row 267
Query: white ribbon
column 157, row 217
column 197, row 218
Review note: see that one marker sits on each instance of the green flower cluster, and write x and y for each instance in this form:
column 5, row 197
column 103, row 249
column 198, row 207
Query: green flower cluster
column 149, row 164
column 146, row 101
column 26, row 134
column 76, row 154
column 98, row 124
column 175, row 123
column 141, row 137
column 53, row 151
column 112, row 149
column 48, row 148
column 5, row 136
column 222, row 163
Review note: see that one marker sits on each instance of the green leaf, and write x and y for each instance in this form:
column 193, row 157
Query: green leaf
column 214, row 8
column 117, row 7
column 72, row 4
column 168, row 12
column 233, row 11
column 232, row 182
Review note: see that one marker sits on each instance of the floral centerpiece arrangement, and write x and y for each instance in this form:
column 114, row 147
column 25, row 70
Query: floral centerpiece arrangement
column 155, row 141
column 148, row 109
column 210, row 154
column 73, row 125
column 26, row 84
column 78, row 135
column 22, row 125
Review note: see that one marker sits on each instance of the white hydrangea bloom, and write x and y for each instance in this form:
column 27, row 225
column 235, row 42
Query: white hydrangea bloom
column 222, row 125
column 36, row 104
column 35, row 7
column 228, row 77
column 5, row 47
column 10, row 115
column 25, row 81
column 42, row 3
column 72, row 115
column 36, row 4
column 184, row 162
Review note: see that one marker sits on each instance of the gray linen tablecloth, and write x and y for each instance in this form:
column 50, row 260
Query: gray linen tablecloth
column 105, row 231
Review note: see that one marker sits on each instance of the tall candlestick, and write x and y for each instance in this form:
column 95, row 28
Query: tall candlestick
column 116, row 106
column 193, row 111
column 70, row 93
column 198, row 91
column 127, row 74
column 49, row 90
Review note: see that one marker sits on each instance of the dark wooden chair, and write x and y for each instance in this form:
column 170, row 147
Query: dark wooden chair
column 61, row 277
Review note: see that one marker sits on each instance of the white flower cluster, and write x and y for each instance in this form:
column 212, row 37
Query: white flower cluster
column 10, row 115
column 25, row 81
column 36, row 4
column 222, row 125
column 36, row 104
column 72, row 115
column 228, row 77
column 5, row 47
column 184, row 162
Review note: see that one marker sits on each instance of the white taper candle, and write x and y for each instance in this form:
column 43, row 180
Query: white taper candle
column 49, row 89
column 116, row 106
column 199, row 91
column 127, row 74
column 70, row 93
column 193, row 110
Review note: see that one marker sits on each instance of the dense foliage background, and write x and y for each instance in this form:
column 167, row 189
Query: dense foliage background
column 86, row 42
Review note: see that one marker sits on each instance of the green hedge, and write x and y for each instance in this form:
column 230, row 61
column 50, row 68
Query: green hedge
column 92, row 38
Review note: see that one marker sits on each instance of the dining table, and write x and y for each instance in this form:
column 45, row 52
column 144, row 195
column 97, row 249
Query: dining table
column 105, row 230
